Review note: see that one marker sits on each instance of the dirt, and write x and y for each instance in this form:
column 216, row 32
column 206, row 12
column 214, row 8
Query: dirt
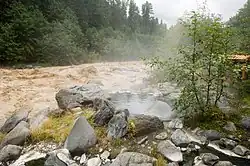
column 35, row 89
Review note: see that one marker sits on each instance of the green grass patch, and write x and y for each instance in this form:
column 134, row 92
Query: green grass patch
column 2, row 136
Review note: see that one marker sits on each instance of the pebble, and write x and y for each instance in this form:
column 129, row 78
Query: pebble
column 162, row 136
column 105, row 155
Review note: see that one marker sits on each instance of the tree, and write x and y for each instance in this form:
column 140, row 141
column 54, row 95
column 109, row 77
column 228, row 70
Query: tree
column 133, row 16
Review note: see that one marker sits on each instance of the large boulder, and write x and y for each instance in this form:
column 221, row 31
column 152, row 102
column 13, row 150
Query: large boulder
column 78, row 96
column 60, row 157
column 105, row 111
column 145, row 124
column 241, row 150
column 230, row 126
column 180, row 138
column 12, row 121
column 118, row 125
column 81, row 137
column 170, row 151
column 227, row 143
column 10, row 153
column 211, row 135
column 209, row 158
column 39, row 118
column 133, row 159
column 17, row 136
column 245, row 122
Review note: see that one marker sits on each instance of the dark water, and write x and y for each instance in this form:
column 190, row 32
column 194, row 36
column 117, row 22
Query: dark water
column 142, row 103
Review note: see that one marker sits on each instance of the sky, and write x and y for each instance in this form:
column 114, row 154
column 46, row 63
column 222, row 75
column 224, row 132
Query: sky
column 171, row 10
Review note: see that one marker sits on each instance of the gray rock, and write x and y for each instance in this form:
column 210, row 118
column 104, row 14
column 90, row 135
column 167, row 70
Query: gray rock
column 180, row 138
column 173, row 164
column 175, row 124
column 224, row 163
column 170, row 151
column 245, row 122
column 241, row 150
column 11, row 123
column 230, row 126
column 17, row 136
column 211, row 135
column 10, row 153
column 133, row 159
column 94, row 162
column 105, row 111
column 198, row 161
column 162, row 136
column 118, row 125
column 105, row 155
column 59, row 157
column 39, row 118
column 83, row 159
column 145, row 124
column 78, row 96
column 227, row 143
column 81, row 137
column 28, row 157
column 209, row 158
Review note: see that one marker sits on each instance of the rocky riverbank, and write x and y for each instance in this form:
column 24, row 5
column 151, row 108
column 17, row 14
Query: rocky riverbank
column 112, row 137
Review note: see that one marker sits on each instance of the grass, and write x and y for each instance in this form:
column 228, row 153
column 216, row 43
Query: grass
column 160, row 159
column 57, row 128
column 2, row 136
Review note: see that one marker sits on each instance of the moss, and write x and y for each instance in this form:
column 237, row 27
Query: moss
column 2, row 136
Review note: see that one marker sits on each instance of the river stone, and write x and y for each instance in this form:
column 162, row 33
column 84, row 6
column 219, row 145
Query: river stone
column 10, row 123
column 105, row 111
column 39, row 118
column 230, row 126
column 180, row 138
column 28, row 157
column 245, row 122
column 198, row 161
column 241, row 150
column 10, row 153
column 94, row 162
column 175, row 124
column 118, row 125
column 211, row 135
column 81, row 137
column 78, row 96
column 17, row 136
column 145, row 124
column 59, row 157
column 209, row 158
column 224, row 163
column 133, row 159
column 227, row 143
column 162, row 136
column 170, row 151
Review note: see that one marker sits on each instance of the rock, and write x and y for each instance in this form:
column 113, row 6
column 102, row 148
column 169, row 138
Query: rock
column 105, row 112
column 12, row 122
column 105, row 155
column 94, row 162
column 28, row 157
column 245, row 122
column 173, row 164
column 17, row 136
column 10, row 153
column 224, row 163
column 142, row 140
column 175, row 124
column 162, row 136
column 211, row 135
column 39, row 118
column 133, row 159
column 209, row 158
column 83, row 159
column 78, row 96
column 81, row 137
column 179, row 138
column 230, row 126
column 145, row 124
column 60, row 157
column 198, row 161
column 241, row 150
column 118, row 125
column 227, row 143
column 170, row 151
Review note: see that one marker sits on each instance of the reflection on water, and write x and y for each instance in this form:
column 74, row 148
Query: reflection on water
column 141, row 103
